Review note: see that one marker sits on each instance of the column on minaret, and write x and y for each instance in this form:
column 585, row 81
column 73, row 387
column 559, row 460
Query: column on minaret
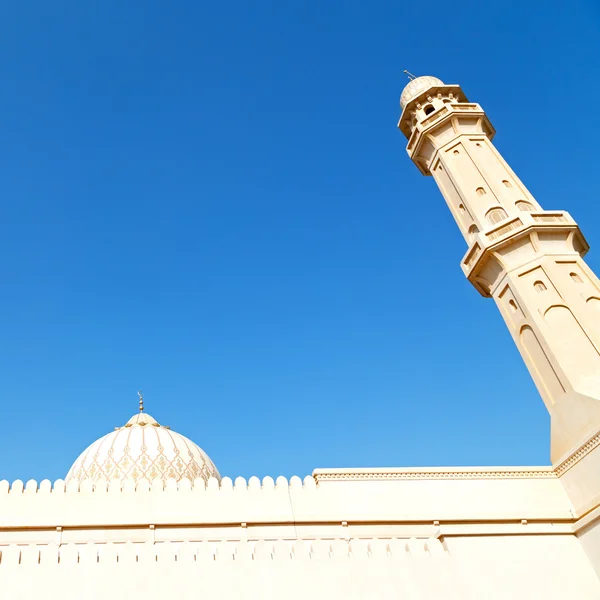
column 528, row 259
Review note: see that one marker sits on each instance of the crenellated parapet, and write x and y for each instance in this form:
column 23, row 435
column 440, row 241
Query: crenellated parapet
column 158, row 485
column 331, row 504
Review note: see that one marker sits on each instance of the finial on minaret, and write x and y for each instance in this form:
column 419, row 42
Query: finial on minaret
column 410, row 75
column 141, row 401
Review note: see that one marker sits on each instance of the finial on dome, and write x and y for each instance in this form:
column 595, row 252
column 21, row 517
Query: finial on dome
column 141, row 401
column 410, row 75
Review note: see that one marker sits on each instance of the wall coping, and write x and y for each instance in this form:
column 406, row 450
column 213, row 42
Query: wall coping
column 437, row 473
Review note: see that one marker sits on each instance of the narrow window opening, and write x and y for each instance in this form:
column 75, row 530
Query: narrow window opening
column 540, row 287
column 513, row 305
column 576, row 278
column 461, row 207
column 473, row 231
column 428, row 109
column 480, row 191
column 507, row 183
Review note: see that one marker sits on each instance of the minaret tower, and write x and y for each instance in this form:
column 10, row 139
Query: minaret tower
column 529, row 260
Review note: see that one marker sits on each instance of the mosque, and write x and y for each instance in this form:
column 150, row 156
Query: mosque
column 143, row 511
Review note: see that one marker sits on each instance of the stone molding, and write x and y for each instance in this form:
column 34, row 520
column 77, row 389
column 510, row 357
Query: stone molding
column 437, row 474
column 295, row 483
column 572, row 459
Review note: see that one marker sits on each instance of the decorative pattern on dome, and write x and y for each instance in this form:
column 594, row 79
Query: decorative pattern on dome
column 416, row 86
column 142, row 449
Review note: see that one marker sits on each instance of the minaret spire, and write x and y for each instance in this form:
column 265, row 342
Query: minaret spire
column 529, row 260
column 141, row 401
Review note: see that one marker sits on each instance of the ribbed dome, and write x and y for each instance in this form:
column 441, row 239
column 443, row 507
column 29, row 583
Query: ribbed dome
column 142, row 449
column 416, row 86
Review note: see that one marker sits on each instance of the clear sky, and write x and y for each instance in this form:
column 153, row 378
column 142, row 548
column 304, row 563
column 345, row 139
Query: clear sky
column 210, row 202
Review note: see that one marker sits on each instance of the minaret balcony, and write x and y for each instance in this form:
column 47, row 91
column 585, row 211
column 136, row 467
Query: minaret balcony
column 504, row 234
column 441, row 127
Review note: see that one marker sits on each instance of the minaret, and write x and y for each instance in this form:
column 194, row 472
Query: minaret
column 529, row 260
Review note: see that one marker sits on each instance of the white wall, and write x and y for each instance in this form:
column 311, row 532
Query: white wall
column 465, row 533
column 498, row 567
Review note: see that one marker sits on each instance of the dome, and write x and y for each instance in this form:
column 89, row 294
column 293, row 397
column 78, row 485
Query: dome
column 142, row 450
column 416, row 86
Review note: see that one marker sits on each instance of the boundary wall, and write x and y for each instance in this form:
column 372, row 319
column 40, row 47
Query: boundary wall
column 384, row 533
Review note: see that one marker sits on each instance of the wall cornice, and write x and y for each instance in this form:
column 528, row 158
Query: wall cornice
column 580, row 453
column 322, row 475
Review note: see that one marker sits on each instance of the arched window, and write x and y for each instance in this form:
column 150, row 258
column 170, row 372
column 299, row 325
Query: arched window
column 524, row 206
column 512, row 304
column 594, row 303
column 473, row 231
column 428, row 109
column 496, row 215
column 507, row 183
column 480, row 191
column 540, row 287
column 576, row 278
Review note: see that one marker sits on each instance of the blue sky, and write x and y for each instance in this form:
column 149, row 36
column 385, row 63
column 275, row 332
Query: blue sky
column 211, row 202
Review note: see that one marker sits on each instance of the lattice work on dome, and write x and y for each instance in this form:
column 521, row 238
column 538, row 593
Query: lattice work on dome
column 142, row 452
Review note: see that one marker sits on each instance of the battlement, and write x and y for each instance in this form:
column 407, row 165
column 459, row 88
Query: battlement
column 158, row 485
column 329, row 504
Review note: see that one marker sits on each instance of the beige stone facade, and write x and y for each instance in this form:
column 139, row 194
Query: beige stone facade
column 529, row 260
column 138, row 518
column 393, row 533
